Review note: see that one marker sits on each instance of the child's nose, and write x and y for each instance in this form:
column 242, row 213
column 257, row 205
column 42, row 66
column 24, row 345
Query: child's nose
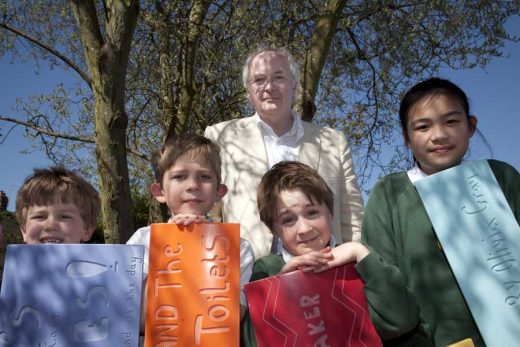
column 193, row 183
column 438, row 133
column 304, row 226
column 50, row 223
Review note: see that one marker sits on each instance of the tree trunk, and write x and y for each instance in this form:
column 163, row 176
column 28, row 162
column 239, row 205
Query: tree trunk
column 107, row 61
column 187, row 91
column 316, row 55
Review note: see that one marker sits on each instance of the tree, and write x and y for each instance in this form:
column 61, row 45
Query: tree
column 106, row 49
column 185, row 65
column 107, row 59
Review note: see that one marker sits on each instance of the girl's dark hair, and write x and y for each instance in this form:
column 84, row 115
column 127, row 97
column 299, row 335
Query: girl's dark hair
column 432, row 86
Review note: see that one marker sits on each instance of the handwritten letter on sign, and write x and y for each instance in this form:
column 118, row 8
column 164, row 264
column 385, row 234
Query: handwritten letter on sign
column 309, row 309
column 481, row 239
column 71, row 295
column 193, row 285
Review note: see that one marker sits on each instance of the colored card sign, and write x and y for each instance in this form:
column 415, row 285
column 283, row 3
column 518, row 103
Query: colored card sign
column 71, row 295
column 308, row 309
column 193, row 285
column 481, row 239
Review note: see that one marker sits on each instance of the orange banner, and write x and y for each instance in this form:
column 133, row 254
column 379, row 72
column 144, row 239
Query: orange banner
column 193, row 285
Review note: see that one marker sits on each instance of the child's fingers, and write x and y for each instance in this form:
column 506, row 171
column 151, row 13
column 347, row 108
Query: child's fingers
column 323, row 258
column 326, row 250
column 322, row 268
column 313, row 259
column 308, row 268
column 187, row 219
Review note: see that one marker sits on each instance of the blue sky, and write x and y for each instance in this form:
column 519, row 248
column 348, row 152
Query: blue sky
column 494, row 95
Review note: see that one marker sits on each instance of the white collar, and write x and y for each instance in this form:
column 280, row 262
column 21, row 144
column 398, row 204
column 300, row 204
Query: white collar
column 296, row 128
column 415, row 174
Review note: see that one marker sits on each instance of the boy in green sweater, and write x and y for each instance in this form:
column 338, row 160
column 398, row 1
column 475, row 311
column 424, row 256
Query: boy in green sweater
column 295, row 203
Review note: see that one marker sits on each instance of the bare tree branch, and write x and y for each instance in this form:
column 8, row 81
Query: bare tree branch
column 51, row 50
column 53, row 134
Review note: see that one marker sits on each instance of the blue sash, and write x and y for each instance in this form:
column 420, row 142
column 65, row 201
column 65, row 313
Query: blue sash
column 481, row 239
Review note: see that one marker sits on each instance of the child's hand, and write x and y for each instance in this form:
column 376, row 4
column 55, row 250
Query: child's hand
column 187, row 219
column 348, row 252
column 309, row 262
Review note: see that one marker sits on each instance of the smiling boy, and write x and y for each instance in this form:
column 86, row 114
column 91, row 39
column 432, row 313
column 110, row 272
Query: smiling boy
column 296, row 204
column 55, row 205
column 188, row 181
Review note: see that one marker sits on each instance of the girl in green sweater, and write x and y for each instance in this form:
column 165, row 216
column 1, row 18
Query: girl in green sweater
column 437, row 126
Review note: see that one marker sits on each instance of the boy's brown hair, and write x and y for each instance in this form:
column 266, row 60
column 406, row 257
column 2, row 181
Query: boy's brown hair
column 290, row 175
column 195, row 146
column 57, row 184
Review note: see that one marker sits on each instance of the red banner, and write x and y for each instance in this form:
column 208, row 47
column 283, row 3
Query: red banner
column 309, row 309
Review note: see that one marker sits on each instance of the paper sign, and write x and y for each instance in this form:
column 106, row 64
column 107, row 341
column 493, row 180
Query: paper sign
column 308, row 309
column 481, row 239
column 71, row 295
column 193, row 285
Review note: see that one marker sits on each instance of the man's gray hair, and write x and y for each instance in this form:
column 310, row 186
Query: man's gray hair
column 282, row 51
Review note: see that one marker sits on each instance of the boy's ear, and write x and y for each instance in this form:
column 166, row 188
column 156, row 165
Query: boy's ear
column 24, row 235
column 221, row 191
column 87, row 235
column 22, row 225
column 157, row 192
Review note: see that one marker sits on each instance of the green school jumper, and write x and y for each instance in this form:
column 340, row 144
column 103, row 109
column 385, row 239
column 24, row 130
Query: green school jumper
column 397, row 227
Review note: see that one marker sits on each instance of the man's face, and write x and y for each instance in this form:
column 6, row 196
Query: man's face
column 271, row 86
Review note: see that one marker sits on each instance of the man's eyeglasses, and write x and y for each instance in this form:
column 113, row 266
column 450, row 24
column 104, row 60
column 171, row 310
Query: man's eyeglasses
column 260, row 83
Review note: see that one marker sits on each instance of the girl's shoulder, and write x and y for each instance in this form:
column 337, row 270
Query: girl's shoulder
column 507, row 177
column 393, row 183
column 391, row 189
column 502, row 168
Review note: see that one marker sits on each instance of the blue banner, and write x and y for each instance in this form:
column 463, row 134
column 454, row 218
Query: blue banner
column 481, row 239
column 71, row 295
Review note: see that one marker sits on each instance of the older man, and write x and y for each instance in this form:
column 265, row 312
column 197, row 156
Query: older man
column 250, row 146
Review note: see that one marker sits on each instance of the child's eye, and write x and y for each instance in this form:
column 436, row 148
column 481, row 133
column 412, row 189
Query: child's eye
column 314, row 213
column 453, row 121
column 206, row 177
column 422, row 127
column 287, row 221
column 178, row 177
column 37, row 217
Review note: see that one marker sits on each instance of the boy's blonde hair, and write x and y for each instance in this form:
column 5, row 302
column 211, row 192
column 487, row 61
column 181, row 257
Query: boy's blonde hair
column 290, row 175
column 193, row 145
column 57, row 184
